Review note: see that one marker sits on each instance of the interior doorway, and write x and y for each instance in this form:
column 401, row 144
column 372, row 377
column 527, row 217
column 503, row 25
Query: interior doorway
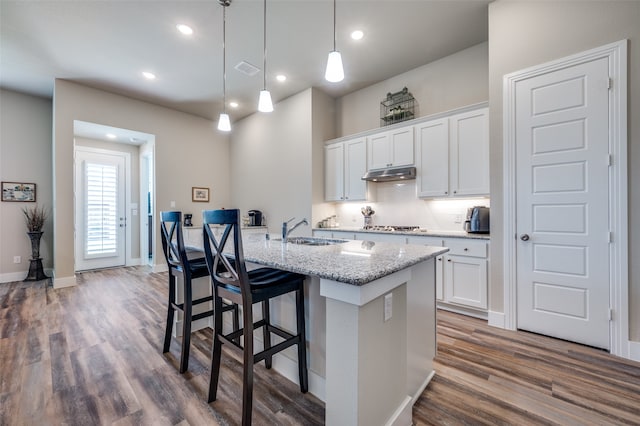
column 135, row 207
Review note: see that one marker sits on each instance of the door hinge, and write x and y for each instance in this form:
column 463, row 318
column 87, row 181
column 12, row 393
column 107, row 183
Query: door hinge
column 609, row 160
column 610, row 236
column 609, row 83
column 610, row 314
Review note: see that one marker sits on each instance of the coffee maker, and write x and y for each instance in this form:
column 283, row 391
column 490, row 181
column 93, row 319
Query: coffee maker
column 255, row 217
column 187, row 219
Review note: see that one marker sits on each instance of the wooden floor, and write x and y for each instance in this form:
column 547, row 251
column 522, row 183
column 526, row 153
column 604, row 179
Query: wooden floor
column 91, row 354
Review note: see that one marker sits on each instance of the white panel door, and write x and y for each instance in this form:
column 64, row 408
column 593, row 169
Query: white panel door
column 562, row 150
column 100, row 210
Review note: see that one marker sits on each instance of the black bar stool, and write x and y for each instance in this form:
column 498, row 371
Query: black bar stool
column 191, row 264
column 231, row 280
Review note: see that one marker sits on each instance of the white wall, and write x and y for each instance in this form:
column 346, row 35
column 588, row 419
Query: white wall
column 455, row 81
column 189, row 151
column 523, row 34
column 25, row 156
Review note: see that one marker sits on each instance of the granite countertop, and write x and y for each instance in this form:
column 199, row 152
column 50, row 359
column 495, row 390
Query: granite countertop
column 351, row 262
column 425, row 233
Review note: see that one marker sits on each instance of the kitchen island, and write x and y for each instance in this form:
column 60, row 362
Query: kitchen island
column 370, row 328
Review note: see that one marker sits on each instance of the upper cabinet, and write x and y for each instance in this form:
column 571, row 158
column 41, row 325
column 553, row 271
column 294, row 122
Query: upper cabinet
column 345, row 164
column 393, row 148
column 453, row 155
column 469, row 148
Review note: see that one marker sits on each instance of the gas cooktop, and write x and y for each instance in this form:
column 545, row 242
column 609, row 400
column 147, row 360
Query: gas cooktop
column 391, row 228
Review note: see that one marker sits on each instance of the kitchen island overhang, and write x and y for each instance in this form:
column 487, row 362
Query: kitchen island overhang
column 371, row 324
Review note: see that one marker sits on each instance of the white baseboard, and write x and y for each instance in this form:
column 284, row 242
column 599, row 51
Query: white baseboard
column 422, row 387
column 10, row 277
column 634, row 351
column 134, row 261
column 64, row 282
column 496, row 319
column 289, row 369
column 403, row 415
column 157, row 268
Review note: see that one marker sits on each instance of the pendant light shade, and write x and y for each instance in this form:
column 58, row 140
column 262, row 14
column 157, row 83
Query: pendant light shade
column 264, row 101
column 224, row 124
column 334, row 72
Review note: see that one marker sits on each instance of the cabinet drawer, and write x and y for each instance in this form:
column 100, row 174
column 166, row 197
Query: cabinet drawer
column 466, row 247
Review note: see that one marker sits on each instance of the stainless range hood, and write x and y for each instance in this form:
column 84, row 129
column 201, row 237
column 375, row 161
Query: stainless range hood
column 385, row 175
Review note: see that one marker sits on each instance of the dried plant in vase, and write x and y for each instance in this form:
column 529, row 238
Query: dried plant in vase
column 35, row 218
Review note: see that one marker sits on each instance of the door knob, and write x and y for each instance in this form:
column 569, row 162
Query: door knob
column 524, row 237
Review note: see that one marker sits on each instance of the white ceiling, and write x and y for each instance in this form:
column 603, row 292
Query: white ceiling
column 107, row 44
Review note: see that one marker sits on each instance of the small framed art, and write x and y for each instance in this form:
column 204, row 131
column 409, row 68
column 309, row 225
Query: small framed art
column 19, row 191
column 200, row 194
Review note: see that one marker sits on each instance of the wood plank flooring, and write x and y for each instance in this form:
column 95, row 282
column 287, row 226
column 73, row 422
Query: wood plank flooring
column 91, row 355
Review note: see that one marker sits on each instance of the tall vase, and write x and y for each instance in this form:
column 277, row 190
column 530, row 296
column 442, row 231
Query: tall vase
column 36, row 273
column 35, row 243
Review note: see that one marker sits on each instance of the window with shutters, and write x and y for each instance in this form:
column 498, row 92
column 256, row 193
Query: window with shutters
column 101, row 214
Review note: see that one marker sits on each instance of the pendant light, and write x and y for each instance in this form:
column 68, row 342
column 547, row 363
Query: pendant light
column 264, row 101
column 334, row 72
column 224, row 124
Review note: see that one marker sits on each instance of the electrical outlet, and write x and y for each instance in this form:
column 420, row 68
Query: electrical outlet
column 457, row 218
column 173, row 203
column 17, row 259
column 388, row 306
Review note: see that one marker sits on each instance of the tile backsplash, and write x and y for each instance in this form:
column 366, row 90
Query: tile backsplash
column 396, row 203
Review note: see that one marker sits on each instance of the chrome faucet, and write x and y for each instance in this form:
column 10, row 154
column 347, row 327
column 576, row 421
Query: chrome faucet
column 286, row 231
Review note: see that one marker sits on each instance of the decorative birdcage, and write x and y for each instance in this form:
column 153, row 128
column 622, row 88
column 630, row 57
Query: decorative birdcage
column 397, row 107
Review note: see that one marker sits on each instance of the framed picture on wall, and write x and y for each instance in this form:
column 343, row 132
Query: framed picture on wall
column 200, row 194
column 19, row 191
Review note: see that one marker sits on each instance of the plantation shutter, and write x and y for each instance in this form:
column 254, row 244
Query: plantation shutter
column 101, row 209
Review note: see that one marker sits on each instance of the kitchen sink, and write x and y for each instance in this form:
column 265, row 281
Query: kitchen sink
column 310, row 241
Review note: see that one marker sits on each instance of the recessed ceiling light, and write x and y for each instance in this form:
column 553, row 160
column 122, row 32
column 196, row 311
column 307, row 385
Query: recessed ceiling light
column 111, row 136
column 233, row 104
column 357, row 35
column 281, row 77
column 184, row 29
column 148, row 75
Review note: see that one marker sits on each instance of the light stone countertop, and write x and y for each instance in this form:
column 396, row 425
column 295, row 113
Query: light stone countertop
column 428, row 233
column 352, row 262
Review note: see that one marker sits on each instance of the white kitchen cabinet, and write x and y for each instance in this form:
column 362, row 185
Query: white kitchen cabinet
column 453, row 155
column 465, row 273
column 393, row 148
column 432, row 153
column 469, row 150
column 381, row 238
column 345, row 164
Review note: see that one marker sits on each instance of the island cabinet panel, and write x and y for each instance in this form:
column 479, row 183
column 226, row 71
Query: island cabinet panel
column 392, row 148
column 345, row 164
column 439, row 262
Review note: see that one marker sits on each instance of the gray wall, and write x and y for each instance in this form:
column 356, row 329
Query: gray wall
column 25, row 156
column 455, row 81
column 189, row 151
column 523, row 34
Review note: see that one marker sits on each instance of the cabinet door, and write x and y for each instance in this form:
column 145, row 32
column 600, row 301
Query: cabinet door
column 465, row 281
column 334, row 172
column 432, row 142
column 378, row 151
column 401, row 141
column 470, row 153
column 355, row 167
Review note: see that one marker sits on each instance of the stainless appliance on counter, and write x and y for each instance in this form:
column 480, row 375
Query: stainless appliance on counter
column 477, row 221
column 255, row 217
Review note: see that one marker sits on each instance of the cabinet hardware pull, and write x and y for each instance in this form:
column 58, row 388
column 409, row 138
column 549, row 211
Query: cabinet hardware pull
column 466, row 249
column 448, row 260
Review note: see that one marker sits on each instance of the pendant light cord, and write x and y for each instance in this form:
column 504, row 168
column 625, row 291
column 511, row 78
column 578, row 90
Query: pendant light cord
column 264, row 38
column 334, row 25
column 224, row 57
